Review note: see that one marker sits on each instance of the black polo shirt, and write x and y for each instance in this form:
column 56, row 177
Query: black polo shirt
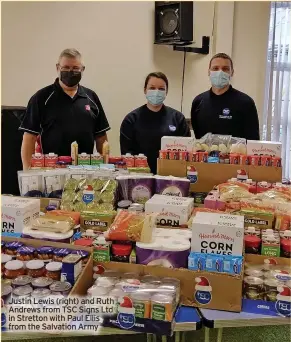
column 61, row 119
column 231, row 113
column 142, row 129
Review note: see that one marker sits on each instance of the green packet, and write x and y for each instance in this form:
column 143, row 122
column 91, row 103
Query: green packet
column 139, row 169
column 96, row 220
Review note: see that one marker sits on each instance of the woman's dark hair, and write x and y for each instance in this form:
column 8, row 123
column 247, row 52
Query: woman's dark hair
column 157, row 75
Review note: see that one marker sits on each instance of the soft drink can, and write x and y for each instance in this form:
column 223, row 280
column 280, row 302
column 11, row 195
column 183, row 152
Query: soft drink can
column 173, row 155
column 243, row 159
column 183, row 155
column 234, row 158
column 255, row 160
column 164, row 154
column 276, row 161
column 266, row 161
column 202, row 156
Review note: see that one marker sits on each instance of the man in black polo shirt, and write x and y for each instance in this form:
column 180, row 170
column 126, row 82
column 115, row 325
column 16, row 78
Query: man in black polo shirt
column 64, row 112
column 223, row 109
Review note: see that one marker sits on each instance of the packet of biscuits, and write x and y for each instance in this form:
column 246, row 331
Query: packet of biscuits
column 131, row 226
column 58, row 224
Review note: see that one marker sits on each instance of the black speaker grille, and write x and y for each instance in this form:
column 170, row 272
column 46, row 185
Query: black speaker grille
column 169, row 21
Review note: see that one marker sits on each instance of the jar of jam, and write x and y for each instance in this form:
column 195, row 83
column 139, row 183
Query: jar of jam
column 45, row 253
column 41, row 282
column 53, row 270
column 25, row 253
column 252, row 244
column 21, row 281
column 14, row 269
column 35, row 268
column 60, row 253
column 11, row 247
column 4, row 258
column 61, row 287
column 121, row 253
column 83, row 254
column 3, row 246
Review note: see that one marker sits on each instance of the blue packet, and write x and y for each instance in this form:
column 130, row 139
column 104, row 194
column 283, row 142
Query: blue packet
column 196, row 261
column 214, row 263
column 232, row 264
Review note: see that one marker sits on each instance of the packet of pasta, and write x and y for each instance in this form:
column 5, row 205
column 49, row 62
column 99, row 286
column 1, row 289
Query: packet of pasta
column 130, row 226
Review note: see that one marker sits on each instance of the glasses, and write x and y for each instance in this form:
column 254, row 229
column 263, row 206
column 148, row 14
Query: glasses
column 67, row 68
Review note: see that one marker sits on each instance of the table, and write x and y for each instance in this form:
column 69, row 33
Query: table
column 187, row 319
column 225, row 319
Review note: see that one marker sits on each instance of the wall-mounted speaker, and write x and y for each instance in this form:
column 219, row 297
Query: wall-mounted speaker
column 173, row 22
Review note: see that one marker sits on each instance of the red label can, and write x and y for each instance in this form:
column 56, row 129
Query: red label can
column 164, row 154
column 255, row 160
column 193, row 157
column 183, row 155
column 266, row 160
column 173, row 155
column 276, row 161
column 243, row 159
column 234, row 158
column 202, row 157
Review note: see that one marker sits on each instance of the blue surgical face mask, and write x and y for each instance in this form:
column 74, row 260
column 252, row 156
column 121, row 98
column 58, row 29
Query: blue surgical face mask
column 156, row 97
column 219, row 79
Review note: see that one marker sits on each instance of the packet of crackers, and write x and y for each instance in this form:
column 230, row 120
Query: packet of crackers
column 131, row 226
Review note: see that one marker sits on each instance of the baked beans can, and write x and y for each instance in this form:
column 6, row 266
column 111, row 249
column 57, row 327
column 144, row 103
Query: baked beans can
column 164, row 154
column 266, row 160
column 202, row 157
column 276, row 161
column 173, row 155
column 183, row 155
column 255, row 160
column 234, row 158
column 243, row 159
column 193, row 156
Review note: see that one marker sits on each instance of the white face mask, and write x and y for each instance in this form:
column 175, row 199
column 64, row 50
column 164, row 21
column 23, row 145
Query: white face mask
column 219, row 79
column 156, row 97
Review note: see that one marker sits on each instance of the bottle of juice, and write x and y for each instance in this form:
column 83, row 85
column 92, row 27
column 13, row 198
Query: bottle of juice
column 105, row 151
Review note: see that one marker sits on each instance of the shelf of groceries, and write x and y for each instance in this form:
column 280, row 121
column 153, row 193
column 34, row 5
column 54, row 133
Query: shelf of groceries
column 103, row 236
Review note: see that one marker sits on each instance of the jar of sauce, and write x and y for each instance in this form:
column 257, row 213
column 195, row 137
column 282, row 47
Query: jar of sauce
column 60, row 253
column 4, row 258
column 53, row 270
column 45, row 253
column 121, row 253
column 35, row 268
column 14, row 269
column 25, row 253
column 11, row 247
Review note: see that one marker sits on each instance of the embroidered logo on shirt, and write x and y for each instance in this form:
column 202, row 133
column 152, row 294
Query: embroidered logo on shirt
column 172, row 128
column 225, row 114
column 87, row 107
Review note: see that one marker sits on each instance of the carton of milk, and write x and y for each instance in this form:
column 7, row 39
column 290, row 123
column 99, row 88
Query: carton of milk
column 267, row 148
column 18, row 213
column 172, row 211
column 177, row 143
column 217, row 234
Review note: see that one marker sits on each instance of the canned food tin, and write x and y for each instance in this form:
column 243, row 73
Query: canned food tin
column 234, row 158
column 183, row 155
column 173, row 155
column 163, row 154
column 266, row 161
column 255, row 160
column 243, row 159
column 276, row 161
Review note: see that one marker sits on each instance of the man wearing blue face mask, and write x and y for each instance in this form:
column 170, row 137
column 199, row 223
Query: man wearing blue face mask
column 223, row 109
column 142, row 129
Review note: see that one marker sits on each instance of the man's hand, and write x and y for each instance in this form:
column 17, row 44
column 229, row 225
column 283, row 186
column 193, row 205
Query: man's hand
column 100, row 141
column 27, row 149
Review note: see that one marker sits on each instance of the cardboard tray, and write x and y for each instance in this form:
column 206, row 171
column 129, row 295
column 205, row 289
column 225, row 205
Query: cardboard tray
column 210, row 175
column 225, row 290
column 84, row 280
column 277, row 308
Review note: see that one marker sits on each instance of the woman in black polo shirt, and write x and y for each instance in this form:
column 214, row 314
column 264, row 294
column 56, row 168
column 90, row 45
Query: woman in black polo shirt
column 142, row 129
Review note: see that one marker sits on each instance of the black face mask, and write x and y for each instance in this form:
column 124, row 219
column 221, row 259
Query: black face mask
column 70, row 78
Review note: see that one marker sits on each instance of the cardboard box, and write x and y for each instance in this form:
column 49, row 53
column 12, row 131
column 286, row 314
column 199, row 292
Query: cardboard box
column 267, row 148
column 282, row 305
column 204, row 176
column 172, row 211
column 177, row 143
column 85, row 279
column 17, row 213
column 213, row 296
column 217, row 234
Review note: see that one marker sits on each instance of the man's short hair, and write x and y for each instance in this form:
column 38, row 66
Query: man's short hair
column 70, row 53
column 221, row 55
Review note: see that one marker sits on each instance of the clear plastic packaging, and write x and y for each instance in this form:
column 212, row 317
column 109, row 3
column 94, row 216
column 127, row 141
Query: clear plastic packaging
column 59, row 224
column 31, row 183
column 238, row 145
column 54, row 183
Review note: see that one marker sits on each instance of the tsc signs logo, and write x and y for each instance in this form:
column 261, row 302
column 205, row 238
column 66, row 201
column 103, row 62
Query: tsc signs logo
column 283, row 303
column 88, row 194
column 203, row 291
column 126, row 313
